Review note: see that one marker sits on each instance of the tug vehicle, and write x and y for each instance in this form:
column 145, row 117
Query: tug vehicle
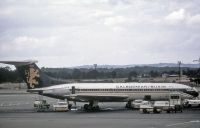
column 41, row 105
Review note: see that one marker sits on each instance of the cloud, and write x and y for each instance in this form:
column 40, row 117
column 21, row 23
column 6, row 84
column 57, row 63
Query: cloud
column 102, row 13
column 194, row 20
column 116, row 20
column 181, row 16
column 28, row 46
column 178, row 16
column 32, row 42
column 74, row 32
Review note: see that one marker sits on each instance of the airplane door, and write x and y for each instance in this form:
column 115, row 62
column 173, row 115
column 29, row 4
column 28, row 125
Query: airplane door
column 73, row 89
column 147, row 97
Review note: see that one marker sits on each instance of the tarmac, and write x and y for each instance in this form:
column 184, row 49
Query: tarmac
column 17, row 111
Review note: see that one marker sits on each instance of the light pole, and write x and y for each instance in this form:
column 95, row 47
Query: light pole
column 198, row 71
column 179, row 68
column 95, row 66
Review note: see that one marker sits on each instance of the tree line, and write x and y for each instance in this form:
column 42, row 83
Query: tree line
column 8, row 75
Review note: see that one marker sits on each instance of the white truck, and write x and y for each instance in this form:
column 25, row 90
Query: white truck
column 148, row 107
column 167, row 106
column 61, row 106
column 173, row 105
column 191, row 103
column 136, row 104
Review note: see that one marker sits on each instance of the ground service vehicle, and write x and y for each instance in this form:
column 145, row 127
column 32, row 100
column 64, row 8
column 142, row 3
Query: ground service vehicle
column 41, row 105
column 173, row 105
column 148, row 107
column 191, row 103
column 136, row 104
column 61, row 106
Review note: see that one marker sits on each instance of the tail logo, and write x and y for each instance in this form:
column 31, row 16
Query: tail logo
column 31, row 76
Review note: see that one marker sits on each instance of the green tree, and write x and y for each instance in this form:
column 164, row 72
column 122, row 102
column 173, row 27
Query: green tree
column 154, row 73
column 113, row 74
column 76, row 74
column 93, row 74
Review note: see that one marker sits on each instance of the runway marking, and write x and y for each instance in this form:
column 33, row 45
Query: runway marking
column 92, row 116
column 2, row 104
column 193, row 121
column 9, row 104
column 13, row 104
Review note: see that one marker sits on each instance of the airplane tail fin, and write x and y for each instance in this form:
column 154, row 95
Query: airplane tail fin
column 32, row 75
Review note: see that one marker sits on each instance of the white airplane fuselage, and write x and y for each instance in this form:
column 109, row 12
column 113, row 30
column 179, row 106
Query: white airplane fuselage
column 118, row 92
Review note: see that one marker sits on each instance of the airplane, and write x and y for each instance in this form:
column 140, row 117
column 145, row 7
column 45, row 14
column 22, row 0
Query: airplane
column 93, row 93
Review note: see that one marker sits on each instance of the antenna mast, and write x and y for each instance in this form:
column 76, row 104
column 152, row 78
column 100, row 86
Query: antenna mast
column 179, row 68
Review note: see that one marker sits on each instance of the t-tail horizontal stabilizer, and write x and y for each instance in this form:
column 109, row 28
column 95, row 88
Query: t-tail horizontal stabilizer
column 19, row 63
column 32, row 75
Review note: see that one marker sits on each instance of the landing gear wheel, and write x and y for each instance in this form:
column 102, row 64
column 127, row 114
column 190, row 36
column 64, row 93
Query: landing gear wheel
column 154, row 110
column 69, row 106
column 145, row 111
column 86, row 106
column 96, row 108
column 128, row 105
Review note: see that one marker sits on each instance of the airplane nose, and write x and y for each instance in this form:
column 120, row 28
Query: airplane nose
column 193, row 93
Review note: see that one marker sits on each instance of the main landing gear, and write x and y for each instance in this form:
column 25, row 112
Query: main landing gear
column 92, row 106
column 129, row 105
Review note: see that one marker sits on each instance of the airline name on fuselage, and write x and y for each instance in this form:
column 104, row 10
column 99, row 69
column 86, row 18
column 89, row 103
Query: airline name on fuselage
column 139, row 86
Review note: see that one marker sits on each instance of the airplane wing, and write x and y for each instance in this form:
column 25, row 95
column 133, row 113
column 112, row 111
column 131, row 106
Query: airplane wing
column 37, row 89
column 98, row 97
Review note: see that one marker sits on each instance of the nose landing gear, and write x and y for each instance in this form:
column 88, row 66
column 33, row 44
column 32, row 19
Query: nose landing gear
column 92, row 106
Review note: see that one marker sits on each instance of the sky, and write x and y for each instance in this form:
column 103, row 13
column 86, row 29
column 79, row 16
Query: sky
column 66, row 33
